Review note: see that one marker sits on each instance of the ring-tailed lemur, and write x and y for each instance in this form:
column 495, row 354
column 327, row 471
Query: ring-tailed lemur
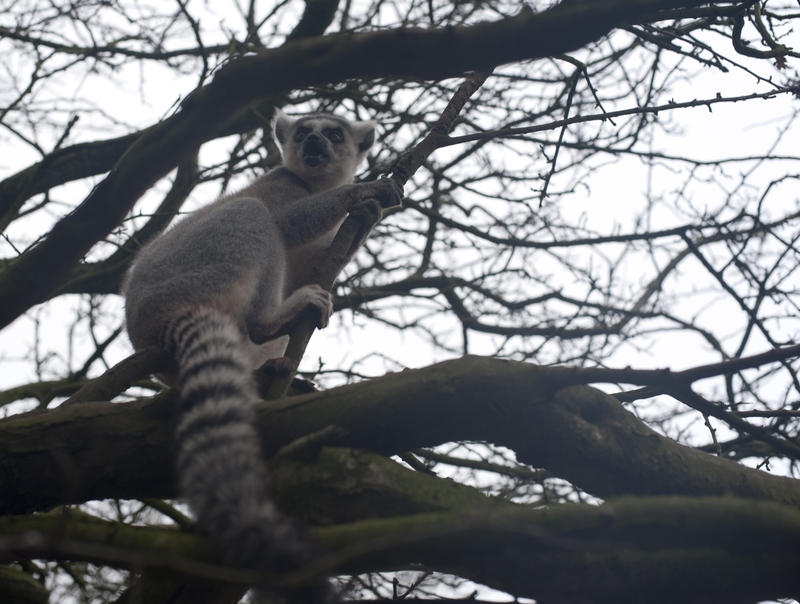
column 220, row 291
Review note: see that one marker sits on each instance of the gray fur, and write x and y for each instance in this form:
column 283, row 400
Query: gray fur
column 220, row 291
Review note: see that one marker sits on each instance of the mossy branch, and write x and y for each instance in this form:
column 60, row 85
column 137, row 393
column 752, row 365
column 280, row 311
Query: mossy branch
column 662, row 549
column 83, row 451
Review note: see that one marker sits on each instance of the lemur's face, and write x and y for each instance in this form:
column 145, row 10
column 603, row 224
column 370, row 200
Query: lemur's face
column 324, row 150
column 321, row 141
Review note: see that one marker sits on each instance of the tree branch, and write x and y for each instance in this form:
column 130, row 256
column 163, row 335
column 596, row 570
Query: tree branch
column 575, row 432
column 341, row 249
column 667, row 549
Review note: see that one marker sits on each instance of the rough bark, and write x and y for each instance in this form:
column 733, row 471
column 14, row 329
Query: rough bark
column 100, row 450
column 663, row 549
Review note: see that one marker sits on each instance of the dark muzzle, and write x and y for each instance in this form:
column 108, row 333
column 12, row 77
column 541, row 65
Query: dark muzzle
column 314, row 151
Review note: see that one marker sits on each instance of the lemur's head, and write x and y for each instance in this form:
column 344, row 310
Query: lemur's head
column 322, row 149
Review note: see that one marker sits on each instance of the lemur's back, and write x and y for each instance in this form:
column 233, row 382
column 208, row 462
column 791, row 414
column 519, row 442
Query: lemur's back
column 210, row 258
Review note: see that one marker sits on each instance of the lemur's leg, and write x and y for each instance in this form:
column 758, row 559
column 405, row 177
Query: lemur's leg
column 276, row 321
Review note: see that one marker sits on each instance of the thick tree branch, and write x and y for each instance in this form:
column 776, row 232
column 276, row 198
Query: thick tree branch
column 64, row 165
column 340, row 486
column 667, row 549
column 576, row 432
column 19, row 587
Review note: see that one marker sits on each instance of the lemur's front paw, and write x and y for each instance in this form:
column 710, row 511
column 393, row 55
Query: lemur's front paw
column 389, row 193
column 369, row 210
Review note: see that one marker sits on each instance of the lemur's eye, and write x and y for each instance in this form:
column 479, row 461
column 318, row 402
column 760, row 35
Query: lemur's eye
column 335, row 135
column 301, row 133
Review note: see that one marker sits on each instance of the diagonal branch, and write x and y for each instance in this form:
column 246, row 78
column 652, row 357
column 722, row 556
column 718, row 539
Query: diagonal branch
column 341, row 249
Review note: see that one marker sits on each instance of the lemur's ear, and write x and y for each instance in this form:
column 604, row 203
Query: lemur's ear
column 281, row 126
column 364, row 134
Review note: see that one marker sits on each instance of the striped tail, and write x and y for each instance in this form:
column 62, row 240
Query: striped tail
column 219, row 457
